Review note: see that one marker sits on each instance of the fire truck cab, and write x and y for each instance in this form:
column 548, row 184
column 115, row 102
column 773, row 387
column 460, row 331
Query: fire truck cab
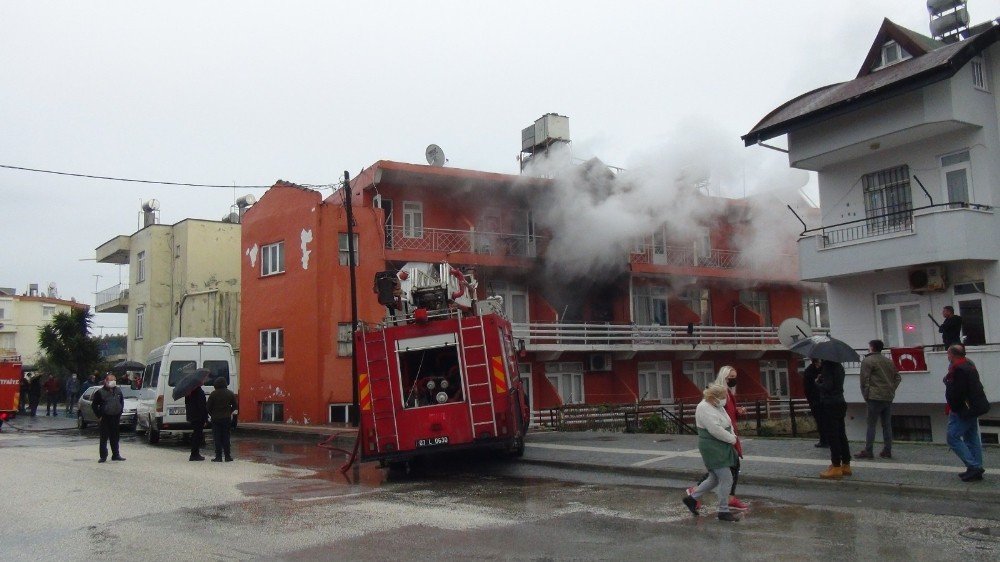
column 10, row 386
column 439, row 373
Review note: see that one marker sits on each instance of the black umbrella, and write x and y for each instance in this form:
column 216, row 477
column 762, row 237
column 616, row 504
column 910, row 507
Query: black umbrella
column 826, row 348
column 128, row 366
column 191, row 380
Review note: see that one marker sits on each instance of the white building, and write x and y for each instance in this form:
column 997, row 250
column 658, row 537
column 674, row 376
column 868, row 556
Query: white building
column 908, row 160
column 22, row 316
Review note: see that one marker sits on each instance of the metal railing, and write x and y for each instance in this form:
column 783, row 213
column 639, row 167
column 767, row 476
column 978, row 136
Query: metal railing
column 469, row 241
column 881, row 225
column 688, row 257
column 640, row 335
column 112, row 294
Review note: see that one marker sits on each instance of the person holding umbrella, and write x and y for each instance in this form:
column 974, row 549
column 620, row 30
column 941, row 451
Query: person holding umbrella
column 222, row 406
column 195, row 406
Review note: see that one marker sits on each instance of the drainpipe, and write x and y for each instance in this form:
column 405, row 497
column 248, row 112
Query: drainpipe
column 180, row 308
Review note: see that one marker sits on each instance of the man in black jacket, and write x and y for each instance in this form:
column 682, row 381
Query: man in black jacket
column 108, row 405
column 221, row 406
column 831, row 396
column 812, row 396
column 197, row 415
column 966, row 402
column 951, row 328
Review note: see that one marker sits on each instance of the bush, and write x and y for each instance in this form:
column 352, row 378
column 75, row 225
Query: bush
column 654, row 424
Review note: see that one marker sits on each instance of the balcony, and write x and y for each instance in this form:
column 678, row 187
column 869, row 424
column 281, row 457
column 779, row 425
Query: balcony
column 112, row 299
column 115, row 250
column 727, row 263
column 935, row 233
column 633, row 337
column 472, row 241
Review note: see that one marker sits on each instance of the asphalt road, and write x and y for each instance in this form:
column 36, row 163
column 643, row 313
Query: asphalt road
column 284, row 499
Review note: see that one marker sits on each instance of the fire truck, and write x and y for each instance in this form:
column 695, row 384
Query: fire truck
column 10, row 386
column 439, row 373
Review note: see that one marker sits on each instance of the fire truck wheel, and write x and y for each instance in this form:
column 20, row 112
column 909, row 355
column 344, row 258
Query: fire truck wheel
column 80, row 422
column 152, row 435
column 517, row 450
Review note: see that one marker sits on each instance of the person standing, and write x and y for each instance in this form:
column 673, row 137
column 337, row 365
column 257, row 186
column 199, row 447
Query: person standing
column 72, row 392
column 951, row 328
column 52, row 388
column 108, row 404
column 879, row 381
column 22, row 404
column 716, row 440
column 222, row 406
column 966, row 402
column 34, row 393
column 834, row 408
column 809, row 375
column 196, row 409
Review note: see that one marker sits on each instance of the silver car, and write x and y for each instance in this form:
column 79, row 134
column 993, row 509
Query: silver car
column 85, row 411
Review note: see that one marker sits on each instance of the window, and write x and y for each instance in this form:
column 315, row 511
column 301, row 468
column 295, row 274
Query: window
column 151, row 375
column 912, row 428
column 701, row 373
column 140, row 267
column 515, row 300
column 272, row 345
column 344, row 339
column 888, row 203
column 272, row 412
column 272, row 259
column 140, row 321
column 177, row 370
column 898, row 316
column 774, row 377
column 413, row 219
column 655, row 382
column 217, row 368
column 344, row 257
column 815, row 312
column 699, row 301
column 649, row 303
column 7, row 341
column 978, row 73
column 758, row 302
column 48, row 311
column 2, row 313
column 567, row 379
column 703, row 245
column 891, row 54
column 955, row 177
column 340, row 413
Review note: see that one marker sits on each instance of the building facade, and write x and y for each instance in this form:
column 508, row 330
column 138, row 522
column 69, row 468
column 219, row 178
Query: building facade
column 183, row 280
column 655, row 325
column 21, row 318
column 908, row 159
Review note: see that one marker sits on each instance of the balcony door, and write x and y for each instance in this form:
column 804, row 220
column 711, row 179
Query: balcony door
column 386, row 206
column 523, row 230
column 955, row 177
column 567, row 379
column 969, row 299
column 898, row 316
column 649, row 304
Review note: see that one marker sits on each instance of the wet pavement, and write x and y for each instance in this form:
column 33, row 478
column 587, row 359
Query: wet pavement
column 284, row 498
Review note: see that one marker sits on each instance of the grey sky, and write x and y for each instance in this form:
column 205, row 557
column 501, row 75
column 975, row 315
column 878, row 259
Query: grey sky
column 249, row 92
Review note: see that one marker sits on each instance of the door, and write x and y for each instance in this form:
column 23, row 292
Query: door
column 973, row 319
column 386, row 206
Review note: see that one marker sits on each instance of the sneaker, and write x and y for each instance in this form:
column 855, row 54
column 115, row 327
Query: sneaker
column 845, row 469
column 726, row 516
column 691, row 491
column 216, row 460
column 229, row 459
column 117, row 458
column 973, row 475
column 885, row 455
column 691, row 504
column 864, row 455
column 735, row 503
column 833, row 473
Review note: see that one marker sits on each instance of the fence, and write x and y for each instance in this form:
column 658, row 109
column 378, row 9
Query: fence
column 469, row 241
column 650, row 334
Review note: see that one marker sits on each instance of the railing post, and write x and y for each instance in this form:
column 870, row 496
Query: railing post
column 757, row 403
column 791, row 413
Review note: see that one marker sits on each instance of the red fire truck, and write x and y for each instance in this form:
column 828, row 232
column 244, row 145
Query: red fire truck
column 10, row 386
column 439, row 373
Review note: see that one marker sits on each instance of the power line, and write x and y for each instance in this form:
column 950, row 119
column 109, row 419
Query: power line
column 179, row 184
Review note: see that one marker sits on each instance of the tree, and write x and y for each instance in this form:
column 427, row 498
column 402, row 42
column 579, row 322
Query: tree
column 67, row 343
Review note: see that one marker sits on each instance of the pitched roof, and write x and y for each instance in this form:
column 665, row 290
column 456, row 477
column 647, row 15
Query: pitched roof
column 912, row 42
column 831, row 101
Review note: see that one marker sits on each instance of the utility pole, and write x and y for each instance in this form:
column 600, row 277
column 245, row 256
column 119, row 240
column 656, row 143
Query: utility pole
column 355, row 414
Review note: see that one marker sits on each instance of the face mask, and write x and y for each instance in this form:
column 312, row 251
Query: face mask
column 731, row 383
column 722, row 403
column 112, row 384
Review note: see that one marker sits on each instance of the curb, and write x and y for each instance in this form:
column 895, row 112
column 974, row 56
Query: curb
column 300, row 431
column 972, row 494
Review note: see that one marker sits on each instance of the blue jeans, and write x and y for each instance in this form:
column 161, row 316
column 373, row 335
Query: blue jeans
column 964, row 439
column 879, row 410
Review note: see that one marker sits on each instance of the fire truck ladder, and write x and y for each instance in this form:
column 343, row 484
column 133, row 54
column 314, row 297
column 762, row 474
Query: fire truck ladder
column 380, row 387
column 472, row 340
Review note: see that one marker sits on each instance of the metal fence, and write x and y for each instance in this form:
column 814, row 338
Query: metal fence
column 112, row 294
column 640, row 335
column 470, row 241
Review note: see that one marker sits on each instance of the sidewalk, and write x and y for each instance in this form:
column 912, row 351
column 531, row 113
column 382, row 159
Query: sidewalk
column 41, row 422
column 924, row 468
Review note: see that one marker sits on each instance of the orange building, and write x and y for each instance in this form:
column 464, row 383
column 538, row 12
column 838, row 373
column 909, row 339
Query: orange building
column 655, row 325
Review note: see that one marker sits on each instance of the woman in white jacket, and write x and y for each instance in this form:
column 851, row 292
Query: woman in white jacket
column 716, row 440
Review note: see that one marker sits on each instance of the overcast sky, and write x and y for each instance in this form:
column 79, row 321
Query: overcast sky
column 249, row 92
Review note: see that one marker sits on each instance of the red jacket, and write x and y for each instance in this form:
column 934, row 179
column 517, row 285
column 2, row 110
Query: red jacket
column 51, row 386
column 731, row 410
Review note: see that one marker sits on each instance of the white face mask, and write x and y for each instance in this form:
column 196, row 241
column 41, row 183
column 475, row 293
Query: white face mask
column 722, row 403
column 112, row 384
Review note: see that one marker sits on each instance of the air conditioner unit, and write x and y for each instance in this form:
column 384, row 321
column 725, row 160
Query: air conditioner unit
column 931, row 278
column 600, row 361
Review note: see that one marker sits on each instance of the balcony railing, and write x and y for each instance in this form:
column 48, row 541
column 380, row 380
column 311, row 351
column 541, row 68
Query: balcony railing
column 469, row 241
column 689, row 257
column 880, row 225
column 112, row 294
column 633, row 335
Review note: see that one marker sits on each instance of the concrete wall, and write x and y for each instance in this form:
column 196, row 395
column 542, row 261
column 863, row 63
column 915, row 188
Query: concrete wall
column 154, row 293
column 24, row 318
column 206, row 278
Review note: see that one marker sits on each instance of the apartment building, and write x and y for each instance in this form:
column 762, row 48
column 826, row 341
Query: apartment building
column 908, row 158
column 656, row 326
column 22, row 316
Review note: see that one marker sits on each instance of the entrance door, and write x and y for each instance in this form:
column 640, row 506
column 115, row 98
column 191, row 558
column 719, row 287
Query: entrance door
column 969, row 305
column 525, row 370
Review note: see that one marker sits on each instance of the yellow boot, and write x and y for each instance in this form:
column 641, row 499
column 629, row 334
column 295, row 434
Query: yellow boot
column 834, row 472
column 845, row 469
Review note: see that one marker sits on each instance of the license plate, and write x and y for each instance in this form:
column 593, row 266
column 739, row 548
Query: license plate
column 430, row 442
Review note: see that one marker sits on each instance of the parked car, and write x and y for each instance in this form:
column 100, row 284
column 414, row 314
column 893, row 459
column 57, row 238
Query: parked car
column 85, row 411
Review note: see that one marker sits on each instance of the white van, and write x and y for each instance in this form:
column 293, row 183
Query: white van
column 158, row 412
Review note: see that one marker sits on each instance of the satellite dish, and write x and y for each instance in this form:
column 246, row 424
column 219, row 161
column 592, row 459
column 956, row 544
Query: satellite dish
column 793, row 330
column 435, row 156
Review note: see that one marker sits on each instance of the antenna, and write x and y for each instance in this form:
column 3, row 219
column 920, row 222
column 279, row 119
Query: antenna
column 435, row 156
